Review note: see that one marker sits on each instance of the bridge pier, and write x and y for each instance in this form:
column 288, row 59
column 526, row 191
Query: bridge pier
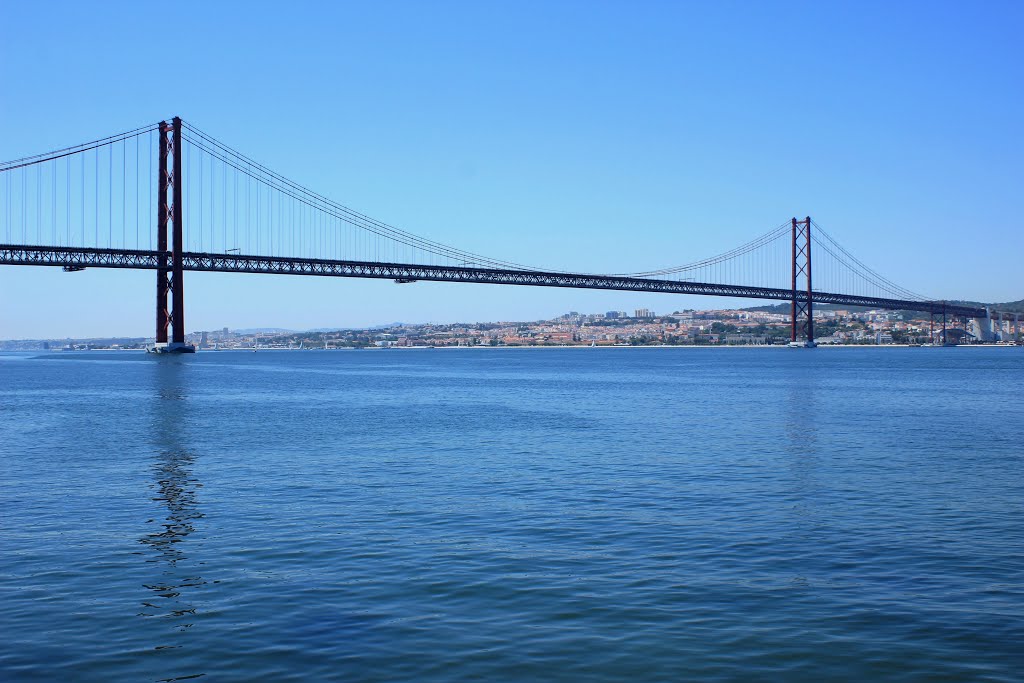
column 170, row 279
column 983, row 326
column 1001, row 327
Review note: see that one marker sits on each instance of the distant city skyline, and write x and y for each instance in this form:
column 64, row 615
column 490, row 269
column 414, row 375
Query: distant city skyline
column 776, row 315
column 578, row 136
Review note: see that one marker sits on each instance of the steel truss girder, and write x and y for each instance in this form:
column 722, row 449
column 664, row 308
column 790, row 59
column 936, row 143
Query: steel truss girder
column 17, row 255
column 26, row 255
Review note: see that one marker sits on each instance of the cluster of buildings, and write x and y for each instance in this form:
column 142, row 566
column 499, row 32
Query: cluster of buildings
column 767, row 325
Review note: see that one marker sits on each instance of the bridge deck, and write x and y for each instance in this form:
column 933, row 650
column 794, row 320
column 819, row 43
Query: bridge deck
column 25, row 255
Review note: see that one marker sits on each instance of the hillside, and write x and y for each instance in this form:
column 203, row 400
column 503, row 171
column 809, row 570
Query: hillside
column 1011, row 306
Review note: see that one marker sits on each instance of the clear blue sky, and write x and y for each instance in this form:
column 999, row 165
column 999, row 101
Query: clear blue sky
column 596, row 136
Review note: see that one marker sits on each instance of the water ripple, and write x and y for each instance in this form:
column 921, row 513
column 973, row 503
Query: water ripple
column 604, row 515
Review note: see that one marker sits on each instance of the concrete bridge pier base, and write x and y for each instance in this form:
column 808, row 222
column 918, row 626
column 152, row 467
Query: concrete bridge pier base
column 984, row 327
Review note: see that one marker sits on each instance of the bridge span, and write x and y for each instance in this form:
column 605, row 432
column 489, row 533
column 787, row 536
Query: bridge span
column 170, row 198
column 75, row 259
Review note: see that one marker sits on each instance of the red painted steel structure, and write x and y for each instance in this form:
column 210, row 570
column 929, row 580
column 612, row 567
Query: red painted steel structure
column 177, row 270
column 170, row 260
column 163, row 214
column 80, row 258
column 169, row 277
column 802, row 309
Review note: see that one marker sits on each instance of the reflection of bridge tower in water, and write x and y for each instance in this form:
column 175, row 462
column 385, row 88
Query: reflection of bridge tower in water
column 174, row 487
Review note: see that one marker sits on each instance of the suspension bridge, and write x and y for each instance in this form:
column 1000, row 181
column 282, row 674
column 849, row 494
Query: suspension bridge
column 170, row 198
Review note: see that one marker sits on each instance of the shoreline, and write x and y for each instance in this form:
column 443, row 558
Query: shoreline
column 566, row 347
column 539, row 348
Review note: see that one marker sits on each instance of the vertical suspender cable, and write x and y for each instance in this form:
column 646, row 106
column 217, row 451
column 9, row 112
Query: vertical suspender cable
column 199, row 205
column 137, row 245
column 124, row 193
column 110, row 196
column 53, row 199
column 224, row 206
column 96, row 192
column 149, row 211
column 248, row 202
column 67, row 199
column 82, row 178
column 213, row 205
column 39, row 204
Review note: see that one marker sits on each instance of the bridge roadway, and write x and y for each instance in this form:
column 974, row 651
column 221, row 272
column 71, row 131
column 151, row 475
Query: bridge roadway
column 76, row 258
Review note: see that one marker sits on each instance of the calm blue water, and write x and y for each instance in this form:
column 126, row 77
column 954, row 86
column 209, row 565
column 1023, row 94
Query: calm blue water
column 562, row 514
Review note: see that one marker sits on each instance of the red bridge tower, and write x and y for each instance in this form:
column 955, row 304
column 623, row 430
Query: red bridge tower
column 169, row 278
column 802, row 310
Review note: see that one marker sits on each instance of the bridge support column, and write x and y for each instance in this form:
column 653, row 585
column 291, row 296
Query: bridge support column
column 802, row 307
column 177, row 269
column 163, row 214
column 170, row 212
column 985, row 327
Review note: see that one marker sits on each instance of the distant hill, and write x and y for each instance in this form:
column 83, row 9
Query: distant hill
column 785, row 308
column 262, row 330
column 1011, row 306
column 344, row 329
